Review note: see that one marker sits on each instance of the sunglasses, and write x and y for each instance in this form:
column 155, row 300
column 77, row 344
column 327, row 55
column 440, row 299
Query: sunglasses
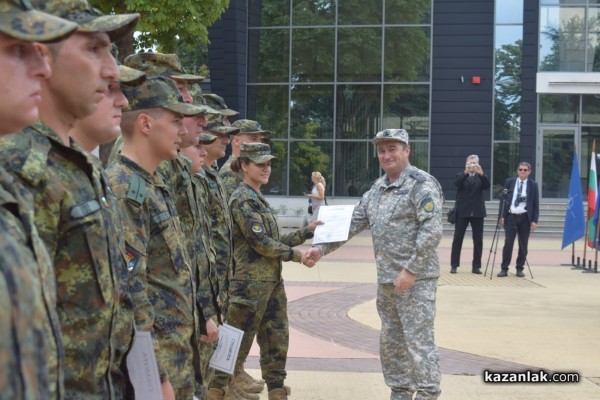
column 524, row 169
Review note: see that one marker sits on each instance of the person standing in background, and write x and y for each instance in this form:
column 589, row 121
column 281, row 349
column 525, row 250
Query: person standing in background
column 470, row 209
column 316, row 197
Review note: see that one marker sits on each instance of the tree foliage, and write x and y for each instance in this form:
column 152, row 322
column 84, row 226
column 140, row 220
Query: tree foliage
column 163, row 23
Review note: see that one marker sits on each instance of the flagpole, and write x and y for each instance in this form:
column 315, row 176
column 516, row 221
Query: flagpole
column 587, row 219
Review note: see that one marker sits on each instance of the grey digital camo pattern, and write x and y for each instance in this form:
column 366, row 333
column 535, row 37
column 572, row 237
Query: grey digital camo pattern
column 408, row 211
column 30, row 344
column 162, row 287
column 76, row 223
column 231, row 180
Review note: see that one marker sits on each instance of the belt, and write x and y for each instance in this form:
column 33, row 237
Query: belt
column 521, row 213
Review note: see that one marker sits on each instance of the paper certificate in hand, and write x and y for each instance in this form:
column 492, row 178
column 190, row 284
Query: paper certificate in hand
column 336, row 224
column 225, row 356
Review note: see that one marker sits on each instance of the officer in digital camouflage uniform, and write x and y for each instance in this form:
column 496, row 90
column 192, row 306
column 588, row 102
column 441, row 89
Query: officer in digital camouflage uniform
column 71, row 209
column 89, row 132
column 250, row 132
column 257, row 299
column 30, row 343
column 403, row 210
column 162, row 283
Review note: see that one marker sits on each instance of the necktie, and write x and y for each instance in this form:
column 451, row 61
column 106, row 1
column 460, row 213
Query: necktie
column 519, row 194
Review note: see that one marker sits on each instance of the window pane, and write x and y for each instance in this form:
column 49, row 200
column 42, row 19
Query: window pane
column 268, row 55
column 507, row 111
column 312, row 111
column 313, row 12
column 313, row 55
column 306, row 157
column 419, row 155
column 559, row 108
column 279, row 171
column 407, row 54
column 593, row 39
column 358, row 111
column 506, row 159
column 509, row 12
column 407, row 107
column 591, row 109
column 580, row 2
column 359, row 54
column 408, row 11
column 562, row 39
column 359, row 12
column 356, row 167
column 269, row 106
column 268, row 12
column 557, row 159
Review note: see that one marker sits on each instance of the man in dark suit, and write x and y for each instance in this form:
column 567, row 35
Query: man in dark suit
column 470, row 209
column 519, row 216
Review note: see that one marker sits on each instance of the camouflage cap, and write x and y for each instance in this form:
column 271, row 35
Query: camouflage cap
column 219, row 127
column 258, row 152
column 156, row 92
column 399, row 135
column 205, row 138
column 218, row 103
column 198, row 100
column 249, row 126
column 88, row 18
column 130, row 76
column 161, row 64
column 19, row 20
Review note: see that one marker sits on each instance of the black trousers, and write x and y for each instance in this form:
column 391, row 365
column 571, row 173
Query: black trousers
column 515, row 225
column 459, row 234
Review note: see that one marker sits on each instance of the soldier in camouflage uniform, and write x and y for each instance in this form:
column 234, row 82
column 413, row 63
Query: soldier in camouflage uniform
column 250, row 132
column 162, row 285
column 406, row 205
column 71, row 209
column 30, row 343
column 218, row 103
column 257, row 299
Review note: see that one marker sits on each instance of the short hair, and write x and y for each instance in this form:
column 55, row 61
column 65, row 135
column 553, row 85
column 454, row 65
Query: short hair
column 129, row 118
column 472, row 157
column 525, row 163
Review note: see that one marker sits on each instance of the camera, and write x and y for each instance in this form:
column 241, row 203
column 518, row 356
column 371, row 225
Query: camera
column 472, row 167
column 522, row 199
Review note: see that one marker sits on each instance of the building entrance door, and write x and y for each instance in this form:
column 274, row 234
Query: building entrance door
column 555, row 160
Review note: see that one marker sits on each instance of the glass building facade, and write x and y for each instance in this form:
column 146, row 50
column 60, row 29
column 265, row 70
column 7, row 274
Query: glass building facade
column 324, row 76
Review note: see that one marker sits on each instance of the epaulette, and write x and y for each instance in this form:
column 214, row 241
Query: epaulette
column 137, row 189
column 417, row 176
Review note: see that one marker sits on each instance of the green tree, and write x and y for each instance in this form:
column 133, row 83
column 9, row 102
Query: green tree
column 163, row 23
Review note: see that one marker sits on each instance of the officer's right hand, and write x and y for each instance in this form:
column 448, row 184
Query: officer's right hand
column 212, row 330
column 167, row 390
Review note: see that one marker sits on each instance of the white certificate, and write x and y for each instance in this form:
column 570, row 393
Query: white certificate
column 142, row 368
column 336, row 224
column 225, row 356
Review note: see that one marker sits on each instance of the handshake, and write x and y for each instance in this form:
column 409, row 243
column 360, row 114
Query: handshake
column 310, row 257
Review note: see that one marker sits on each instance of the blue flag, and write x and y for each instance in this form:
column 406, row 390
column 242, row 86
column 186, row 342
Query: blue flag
column 574, row 218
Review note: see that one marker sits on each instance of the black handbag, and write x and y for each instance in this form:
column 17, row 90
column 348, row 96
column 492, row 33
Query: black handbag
column 452, row 214
column 310, row 209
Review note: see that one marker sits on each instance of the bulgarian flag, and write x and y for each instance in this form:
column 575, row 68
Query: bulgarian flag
column 592, row 199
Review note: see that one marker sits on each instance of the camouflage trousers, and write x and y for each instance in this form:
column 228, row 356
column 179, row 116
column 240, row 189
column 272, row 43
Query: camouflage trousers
column 204, row 373
column 259, row 309
column 409, row 356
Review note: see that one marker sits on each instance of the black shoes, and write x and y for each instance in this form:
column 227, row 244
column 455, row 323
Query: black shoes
column 453, row 270
column 476, row 271
column 520, row 274
column 502, row 274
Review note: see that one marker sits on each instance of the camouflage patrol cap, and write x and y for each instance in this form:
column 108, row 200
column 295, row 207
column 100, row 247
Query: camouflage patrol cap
column 218, row 103
column 399, row 135
column 161, row 64
column 206, row 138
column 198, row 100
column 249, row 126
column 258, row 152
column 219, row 127
column 127, row 76
column 88, row 18
column 19, row 20
column 158, row 91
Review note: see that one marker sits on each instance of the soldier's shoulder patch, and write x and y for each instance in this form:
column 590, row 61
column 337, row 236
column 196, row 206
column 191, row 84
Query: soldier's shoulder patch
column 137, row 189
column 132, row 257
column 428, row 205
column 257, row 227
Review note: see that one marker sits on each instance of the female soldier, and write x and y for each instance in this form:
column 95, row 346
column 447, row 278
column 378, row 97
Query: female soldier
column 257, row 300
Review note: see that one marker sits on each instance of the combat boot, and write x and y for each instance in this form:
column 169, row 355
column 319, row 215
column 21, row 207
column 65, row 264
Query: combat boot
column 215, row 394
column 248, row 384
column 234, row 392
column 246, row 376
column 280, row 393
